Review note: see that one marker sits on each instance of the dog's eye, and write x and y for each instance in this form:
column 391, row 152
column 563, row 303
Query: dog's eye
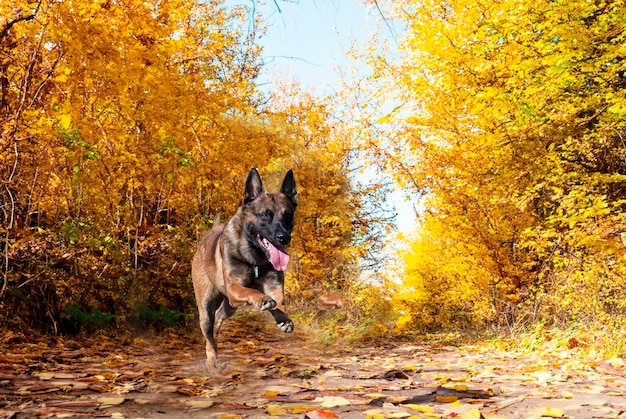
column 288, row 217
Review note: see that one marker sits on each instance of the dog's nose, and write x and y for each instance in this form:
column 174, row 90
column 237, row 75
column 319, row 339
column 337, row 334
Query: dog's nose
column 283, row 239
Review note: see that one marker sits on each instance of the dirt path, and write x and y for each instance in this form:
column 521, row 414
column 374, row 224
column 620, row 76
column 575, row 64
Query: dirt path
column 287, row 376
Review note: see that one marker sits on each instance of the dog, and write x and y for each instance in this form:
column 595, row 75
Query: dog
column 243, row 261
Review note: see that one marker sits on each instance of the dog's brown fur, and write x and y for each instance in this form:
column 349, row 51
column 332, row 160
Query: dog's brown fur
column 232, row 266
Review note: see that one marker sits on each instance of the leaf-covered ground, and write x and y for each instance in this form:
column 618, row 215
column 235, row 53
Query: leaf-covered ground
column 274, row 374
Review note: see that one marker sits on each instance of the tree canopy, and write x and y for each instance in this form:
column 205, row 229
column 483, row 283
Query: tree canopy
column 127, row 129
column 512, row 113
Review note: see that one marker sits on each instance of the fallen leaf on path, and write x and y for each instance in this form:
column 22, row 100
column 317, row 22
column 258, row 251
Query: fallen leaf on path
column 375, row 414
column 461, row 391
column 420, row 408
column 99, row 388
column 188, row 391
column 49, row 375
column 110, row 401
column 541, row 376
column 551, row 412
column 199, row 404
column 472, row 414
column 182, row 382
column 446, row 399
column 275, row 410
column 374, row 395
column 332, row 401
column 331, row 373
column 321, row 414
column 110, row 375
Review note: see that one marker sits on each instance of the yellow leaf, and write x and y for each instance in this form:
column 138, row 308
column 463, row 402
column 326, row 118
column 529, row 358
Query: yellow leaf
column 551, row 412
column 420, row 408
column 332, row 401
column 373, row 395
column 275, row 410
column 472, row 414
column 46, row 375
column 456, row 386
column 300, row 409
column 65, row 120
column 383, row 119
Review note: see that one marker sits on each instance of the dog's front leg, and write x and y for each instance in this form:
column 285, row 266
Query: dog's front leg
column 282, row 320
column 273, row 286
column 239, row 295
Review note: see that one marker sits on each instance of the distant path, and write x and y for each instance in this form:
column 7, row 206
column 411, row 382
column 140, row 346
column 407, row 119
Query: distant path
column 287, row 376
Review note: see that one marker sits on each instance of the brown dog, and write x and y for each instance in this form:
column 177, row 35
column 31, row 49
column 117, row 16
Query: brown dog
column 243, row 262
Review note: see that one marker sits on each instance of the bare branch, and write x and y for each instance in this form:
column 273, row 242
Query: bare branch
column 5, row 31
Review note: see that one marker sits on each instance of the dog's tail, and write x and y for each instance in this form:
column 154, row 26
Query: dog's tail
column 218, row 219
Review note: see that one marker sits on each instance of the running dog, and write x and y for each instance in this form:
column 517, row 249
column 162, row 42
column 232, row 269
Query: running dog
column 243, row 261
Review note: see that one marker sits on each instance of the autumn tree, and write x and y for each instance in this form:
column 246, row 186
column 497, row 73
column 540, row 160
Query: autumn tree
column 110, row 111
column 338, row 233
column 127, row 131
column 508, row 119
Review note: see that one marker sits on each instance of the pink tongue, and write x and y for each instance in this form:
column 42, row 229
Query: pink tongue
column 278, row 259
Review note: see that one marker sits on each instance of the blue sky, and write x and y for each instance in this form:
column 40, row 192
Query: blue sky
column 308, row 40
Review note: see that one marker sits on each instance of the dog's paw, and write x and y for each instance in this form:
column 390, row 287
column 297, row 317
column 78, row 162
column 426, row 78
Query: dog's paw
column 267, row 303
column 286, row 326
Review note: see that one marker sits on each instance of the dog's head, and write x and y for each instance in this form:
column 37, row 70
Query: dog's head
column 269, row 218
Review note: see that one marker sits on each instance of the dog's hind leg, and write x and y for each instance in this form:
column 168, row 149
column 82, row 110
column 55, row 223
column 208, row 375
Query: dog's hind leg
column 207, row 324
column 222, row 313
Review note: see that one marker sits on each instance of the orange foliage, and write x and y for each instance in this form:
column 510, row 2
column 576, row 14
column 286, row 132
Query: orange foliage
column 127, row 129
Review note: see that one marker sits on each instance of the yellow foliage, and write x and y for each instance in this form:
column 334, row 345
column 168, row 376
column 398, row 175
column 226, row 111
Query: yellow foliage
column 516, row 144
column 129, row 128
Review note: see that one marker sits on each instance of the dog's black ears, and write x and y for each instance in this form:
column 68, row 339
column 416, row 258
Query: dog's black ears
column 289, row 188
column 254, row 186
